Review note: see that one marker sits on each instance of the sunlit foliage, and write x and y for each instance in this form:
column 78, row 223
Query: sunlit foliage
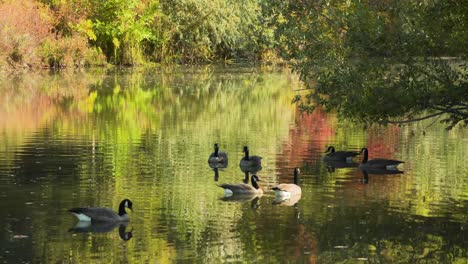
column 380, row 61
column 67, row 33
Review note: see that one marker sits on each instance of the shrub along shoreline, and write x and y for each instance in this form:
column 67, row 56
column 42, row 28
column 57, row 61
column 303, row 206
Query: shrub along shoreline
column 38, row 34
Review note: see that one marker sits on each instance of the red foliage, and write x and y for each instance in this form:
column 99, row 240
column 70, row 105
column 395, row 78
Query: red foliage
column 382, row 143
column 314, row 129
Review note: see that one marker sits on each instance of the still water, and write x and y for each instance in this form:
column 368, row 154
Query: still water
column 94, row 138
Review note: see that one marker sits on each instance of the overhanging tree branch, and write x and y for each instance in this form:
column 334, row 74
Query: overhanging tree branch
column 414, row 119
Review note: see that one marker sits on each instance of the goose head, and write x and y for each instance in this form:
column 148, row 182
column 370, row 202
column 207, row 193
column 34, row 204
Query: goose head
column 126, row 203
column 366, row 154
column 254, row 179
column 330, row 149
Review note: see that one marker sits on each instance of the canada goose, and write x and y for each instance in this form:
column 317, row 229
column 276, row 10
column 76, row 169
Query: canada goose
column 217, row 157
column 287, row 190
column 242, row 188
column 249, row 161
column 377, row 163
column 343, row 156
column 102, row 214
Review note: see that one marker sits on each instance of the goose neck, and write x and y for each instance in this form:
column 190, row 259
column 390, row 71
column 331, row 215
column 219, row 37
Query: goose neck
column 122, row 208
column 365, row 157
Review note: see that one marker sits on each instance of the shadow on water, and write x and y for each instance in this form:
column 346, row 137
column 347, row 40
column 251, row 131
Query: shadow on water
column 333, row 165
column 102, row 227
column 216, row 167
column 244, row 198
column 365, row 173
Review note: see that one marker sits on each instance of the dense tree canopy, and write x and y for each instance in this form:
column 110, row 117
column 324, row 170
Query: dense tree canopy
column 380, row 61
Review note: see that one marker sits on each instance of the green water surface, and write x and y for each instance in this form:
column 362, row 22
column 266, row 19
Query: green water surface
column 95, row 138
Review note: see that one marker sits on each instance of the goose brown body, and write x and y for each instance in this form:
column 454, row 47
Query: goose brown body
column 289, row 189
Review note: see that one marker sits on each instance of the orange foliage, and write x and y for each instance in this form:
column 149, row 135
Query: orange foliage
column 26, row 117
column 31, row 36
column 23, row 26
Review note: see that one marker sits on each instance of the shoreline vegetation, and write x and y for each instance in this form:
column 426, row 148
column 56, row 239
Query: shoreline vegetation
column 53, row 34
column 370, row 61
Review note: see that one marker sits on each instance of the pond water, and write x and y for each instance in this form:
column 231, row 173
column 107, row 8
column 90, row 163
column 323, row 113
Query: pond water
column 93, row 139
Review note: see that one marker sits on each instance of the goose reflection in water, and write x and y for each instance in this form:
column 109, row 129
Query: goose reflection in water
column 366, row 172
column 253, row 169
column 287, row 201
column 253, row 199
column 102, row 227
column 332, row 165
column 216, row 174
column 216, row 166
